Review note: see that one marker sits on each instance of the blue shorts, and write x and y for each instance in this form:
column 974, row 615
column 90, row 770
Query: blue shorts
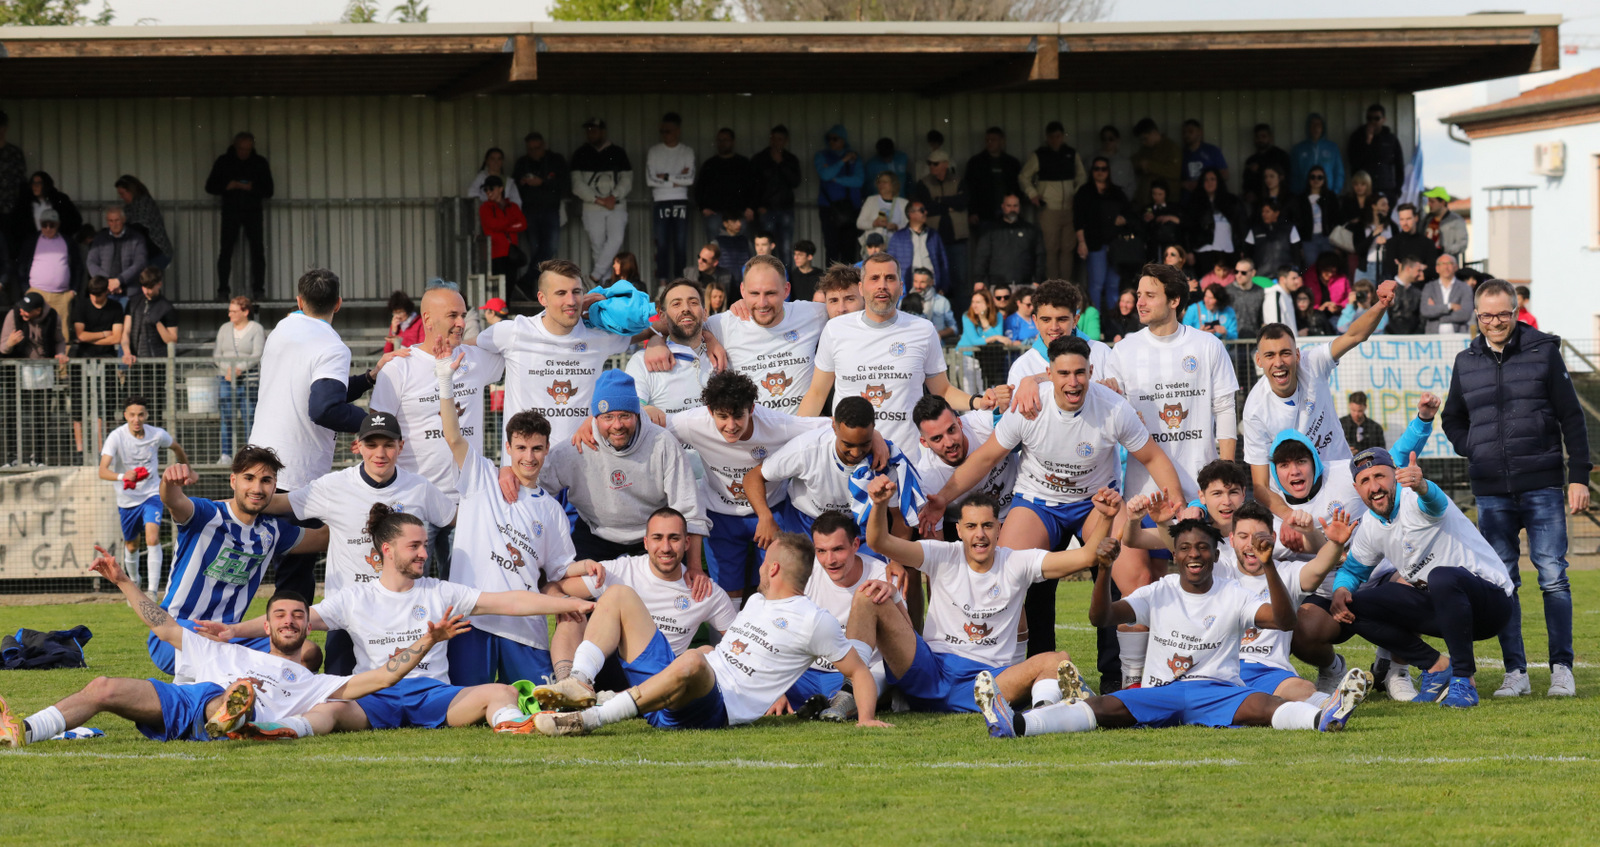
column 655, row 658
column 732, row 555
column 1263, row 678
column 1147, row 523
column 1195, row 702
column 706, row 712
column 413, row 701
column 164, row 655
column 479, row 658
column 1061, row 522
column 940, row 682
column 183, row 711
column 793, row 520
column 813, row 682
column 135, row 518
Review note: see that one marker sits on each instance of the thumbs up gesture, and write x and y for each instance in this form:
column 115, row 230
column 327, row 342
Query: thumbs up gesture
column 1411, row 477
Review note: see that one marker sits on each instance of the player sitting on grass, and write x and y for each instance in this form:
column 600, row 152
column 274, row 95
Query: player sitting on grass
column 975, row 607
column 379, row 615
column 777, row 635
column 232, row 684
column 131, row 458
column 1196, row 623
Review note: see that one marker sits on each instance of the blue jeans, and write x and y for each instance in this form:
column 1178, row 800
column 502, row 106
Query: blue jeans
column 543, row 235
column 670, row 230
column 779, row 223
column 236, row 405
column 1104, row 281
column 1542, row 512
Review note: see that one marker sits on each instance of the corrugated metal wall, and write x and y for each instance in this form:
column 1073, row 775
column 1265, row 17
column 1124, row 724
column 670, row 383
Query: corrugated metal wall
column 416, row 150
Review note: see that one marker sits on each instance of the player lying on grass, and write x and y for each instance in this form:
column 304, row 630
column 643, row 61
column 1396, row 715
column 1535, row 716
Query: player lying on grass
column 233, row 684
column 390, row 611
column 975, row 606
column 1196, row 624
column 768, row 646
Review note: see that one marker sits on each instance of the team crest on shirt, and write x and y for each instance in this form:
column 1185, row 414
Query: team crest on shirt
column 758, row 453
column 1173, row 415
column 561, row 391
column 994, row 592
column 681, row 604
column 777, row 383
column 1335, row 506
column 1190, row 364
column 876, row 394
column 781, row 623
column 289, row 675
column 897, row 349
column 1410, row 548
column 791, row 336
column 419, row 613
column 737, row 647
column 538, row 529
column 1179, row 665
column 1085, row 449
column 581, row 347
column 977, row 631
column 618, row 479
column 1210, row 619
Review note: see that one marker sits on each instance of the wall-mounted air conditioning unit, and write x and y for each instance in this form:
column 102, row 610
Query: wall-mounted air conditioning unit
column 1550, row 158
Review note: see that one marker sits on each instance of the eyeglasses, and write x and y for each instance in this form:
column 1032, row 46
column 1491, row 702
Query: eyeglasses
column 1002, row 297
column 1490, row 318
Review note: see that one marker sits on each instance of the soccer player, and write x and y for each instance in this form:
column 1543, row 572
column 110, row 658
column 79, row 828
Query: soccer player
column 1057, row 305
column 379, row 615
column 775, row 638
column 732, row 434
column 1294, row 392
column 231, row 684
column 1198, row 622
column 503, row 546
column 818, row 467
column 408, row 389
column 887, row 357
column 224, row 548
column 770, row 340
column 131, row 458
column 975, row 607
column 338, row 499
column 840, row 290
column 676, row 390
column 947, row 441
column 1449, row 583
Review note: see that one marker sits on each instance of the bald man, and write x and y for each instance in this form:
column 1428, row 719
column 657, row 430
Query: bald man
column 411, row 394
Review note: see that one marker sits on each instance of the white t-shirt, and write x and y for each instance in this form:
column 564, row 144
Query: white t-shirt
column 341, row 500
column 1171, row 383
column 1067, row 457
column 408, row 390
column 722, row 489
column 1193, row 636
column 677, row 390
column 381, row 622
column 976, row 615
column 128, row 453
column 818, row 481
column 286, row 688
column 767, row 648
column 1269, row 647
column 500, row 546
column 677, row 614
column 1001, row 481
column 836, row 599
column 885, row 363
column 778, row 359
column 552, row 373
column 1032, row 363
column 1310, row 410
column 1416, row 543
column 299, row 351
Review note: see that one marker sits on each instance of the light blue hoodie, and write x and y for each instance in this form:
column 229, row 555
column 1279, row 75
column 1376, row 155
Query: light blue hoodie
column 840, row 180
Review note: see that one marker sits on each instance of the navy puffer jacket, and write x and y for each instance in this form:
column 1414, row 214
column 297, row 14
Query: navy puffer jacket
column 1509, row 413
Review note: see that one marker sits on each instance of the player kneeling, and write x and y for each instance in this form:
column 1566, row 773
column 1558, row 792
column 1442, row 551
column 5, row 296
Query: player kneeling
column 1196, row 623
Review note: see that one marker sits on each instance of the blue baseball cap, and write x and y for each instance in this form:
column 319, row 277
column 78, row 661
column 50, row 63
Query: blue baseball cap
column 1369, row 458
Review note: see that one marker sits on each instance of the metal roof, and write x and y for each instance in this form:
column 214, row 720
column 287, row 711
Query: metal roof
column 453, row 60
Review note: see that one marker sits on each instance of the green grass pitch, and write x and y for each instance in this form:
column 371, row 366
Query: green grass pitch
column 1517, row 772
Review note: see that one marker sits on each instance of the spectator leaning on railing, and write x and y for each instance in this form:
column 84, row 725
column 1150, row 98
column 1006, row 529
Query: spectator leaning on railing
column 238, row 357
column 145, row 216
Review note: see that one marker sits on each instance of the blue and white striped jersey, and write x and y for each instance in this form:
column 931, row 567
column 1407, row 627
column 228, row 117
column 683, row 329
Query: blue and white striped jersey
column 220, row 561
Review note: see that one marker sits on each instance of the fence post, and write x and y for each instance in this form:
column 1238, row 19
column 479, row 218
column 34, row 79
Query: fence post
column 172, row 386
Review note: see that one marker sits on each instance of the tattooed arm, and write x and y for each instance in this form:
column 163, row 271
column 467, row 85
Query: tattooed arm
column 403, row 660
column 149, row 610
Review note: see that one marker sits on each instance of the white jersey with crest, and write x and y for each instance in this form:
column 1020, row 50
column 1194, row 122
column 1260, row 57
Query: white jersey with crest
column 766, row 650
column 284, row 687
column 554, row 374
column 1001, row 480
column 836, row 599
column 1193, row 636
column 1171, row 382
column 128, row 453
column 778, row 359
column 886, row 363
column 408, row 389
column 1268, row 647
column 381, row 622
column 676, row 613
column 976, row 615
column 1309, row 409
column 677, row 390
column 722, row 489
column 818, row 481
column 342, row 500
column 1067, row 457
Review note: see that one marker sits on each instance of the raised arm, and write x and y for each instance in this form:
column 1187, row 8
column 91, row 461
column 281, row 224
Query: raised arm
column 968, row 474
column 449, row 421
column 154, row 617
column 1107, row 503
column 1337, row 530
column 909, row 553
column 1103, row 612
column 402, row 662
column 1280, row 615
column 173, row 479
column 1364, row 326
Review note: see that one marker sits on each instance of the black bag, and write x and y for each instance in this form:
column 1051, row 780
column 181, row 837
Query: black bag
column 1126, row 248
column 29, row 649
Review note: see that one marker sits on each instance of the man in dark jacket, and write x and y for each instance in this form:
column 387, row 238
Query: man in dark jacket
column 244, row 182
column 1266, row 155
column 990, row 176
column 726, row 184
column 1405, row 313
column 1408, row 240
column 1374, row 148
column 543, row 180
column 1511, row 409
column 1012, row 250
column 777, row 176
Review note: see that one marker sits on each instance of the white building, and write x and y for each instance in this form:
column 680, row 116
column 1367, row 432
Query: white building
column 1536, row 198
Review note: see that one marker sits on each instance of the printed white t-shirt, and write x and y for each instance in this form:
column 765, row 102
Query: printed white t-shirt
column 1067, row 457
column 677, row 390
column 552, row 373
column 767, row 648
column 722, row 489
column 885, row 363
column 1269, row 647
column 778, row 359
column 818, row 481
column 1310, row 410
column 286, row 687
column 1416, row 543
column 976, row 615
column 1193, row 636
column 1171, row 382
column 1001, row 480
column 128, row 452
column 408, row 389
column 382, row 622
column 835, row 599
column 676, row 613
column 341, row 500
column 298, row 352
column 1032, row 363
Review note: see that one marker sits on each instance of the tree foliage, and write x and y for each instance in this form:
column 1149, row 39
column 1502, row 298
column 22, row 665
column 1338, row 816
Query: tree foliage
column 638, row 10
column 51, row 13
column 924, row 10
column 410, row 12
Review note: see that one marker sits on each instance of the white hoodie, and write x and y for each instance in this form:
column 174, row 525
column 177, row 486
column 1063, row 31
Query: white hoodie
column 678, row 163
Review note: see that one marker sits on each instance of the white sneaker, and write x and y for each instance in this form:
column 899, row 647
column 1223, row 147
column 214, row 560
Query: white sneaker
column 1398, row 683
column 1328, row 678
column 1515, row 684
column 1561, row 682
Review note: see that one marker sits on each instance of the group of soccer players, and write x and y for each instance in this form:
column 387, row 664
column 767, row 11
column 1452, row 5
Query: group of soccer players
column 901, row 553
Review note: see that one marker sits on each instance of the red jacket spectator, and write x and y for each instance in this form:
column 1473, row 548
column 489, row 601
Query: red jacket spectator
column 501, row 224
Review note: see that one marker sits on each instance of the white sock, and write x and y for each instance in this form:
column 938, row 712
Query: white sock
column 1319, row 699
column 1295, row 716
column 301, row 726
column 44, row 725
column 130, row 563
column 507, row 714
column 1132, row 647
column 615, row 710
column 1046, row 691
column 153, row 564
column 1382, row 653
column 587, row 662
column 1058, row 717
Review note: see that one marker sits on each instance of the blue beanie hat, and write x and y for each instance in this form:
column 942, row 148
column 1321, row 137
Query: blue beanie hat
column 614, row 392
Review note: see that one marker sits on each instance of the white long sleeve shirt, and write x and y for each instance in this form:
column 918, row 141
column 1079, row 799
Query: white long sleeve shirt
column 678, row 163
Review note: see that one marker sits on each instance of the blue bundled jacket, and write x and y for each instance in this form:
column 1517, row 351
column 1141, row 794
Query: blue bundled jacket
column 840, row 180
column 1307, row 154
